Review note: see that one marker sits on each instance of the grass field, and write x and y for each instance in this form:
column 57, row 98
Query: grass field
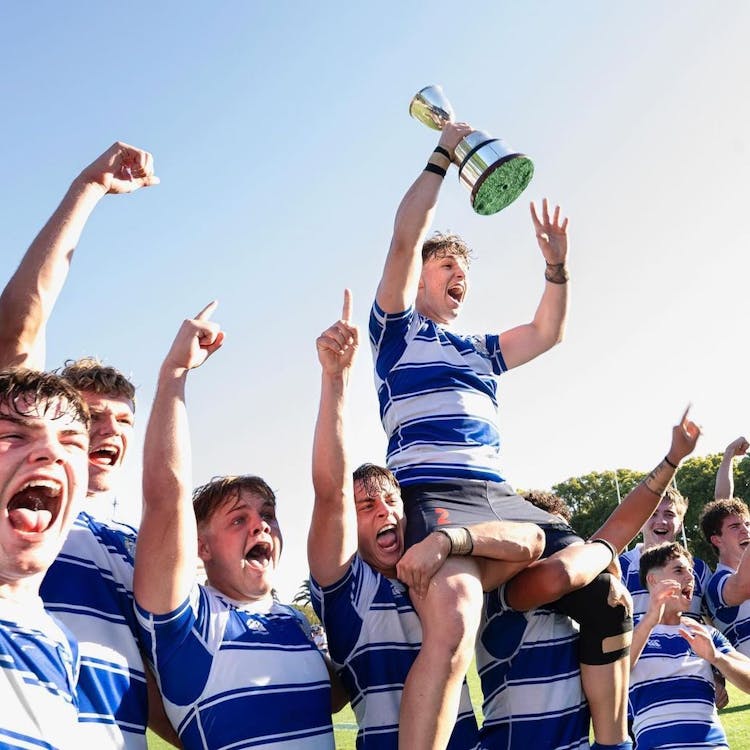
column 735, row 718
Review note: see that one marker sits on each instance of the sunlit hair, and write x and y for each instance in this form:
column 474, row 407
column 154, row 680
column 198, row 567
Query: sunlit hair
column 90, row 374
column 715, row 512
column 30, row 393
column 676, row 498
column 443, row 245
column 548, row 501
column 372, row 475
column 220, row 490
column 659, row 556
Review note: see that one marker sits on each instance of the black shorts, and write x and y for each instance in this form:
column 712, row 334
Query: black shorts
column 465, row 502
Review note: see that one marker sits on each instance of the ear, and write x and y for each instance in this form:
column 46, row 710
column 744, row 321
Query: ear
column 204, row 549
column 715, row 539
column 650, row 580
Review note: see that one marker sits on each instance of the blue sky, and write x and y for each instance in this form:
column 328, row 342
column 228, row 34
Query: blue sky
column 281, row 135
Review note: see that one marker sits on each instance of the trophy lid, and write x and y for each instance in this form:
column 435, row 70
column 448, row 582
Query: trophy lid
column 431, row 107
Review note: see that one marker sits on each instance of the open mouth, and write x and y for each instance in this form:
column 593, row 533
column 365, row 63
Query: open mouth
column 387, row 537
column 744, row 543
column 34, row 508
column 259, row 555
column 104, row 455
column 456, row 293
column 687, row 592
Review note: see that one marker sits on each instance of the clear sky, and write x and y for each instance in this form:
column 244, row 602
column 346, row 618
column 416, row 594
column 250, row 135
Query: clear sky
column 281, row 135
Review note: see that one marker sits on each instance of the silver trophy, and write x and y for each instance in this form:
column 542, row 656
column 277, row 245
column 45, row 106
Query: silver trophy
column 494, row 173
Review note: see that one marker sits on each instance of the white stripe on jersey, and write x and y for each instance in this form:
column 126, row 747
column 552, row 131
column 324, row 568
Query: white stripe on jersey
column 230, row 673
column 90, row 589
column 38, row 670
column 437, row 393
column 531, row 679
column 672, row 693
column 374, row 635
column 733, row 621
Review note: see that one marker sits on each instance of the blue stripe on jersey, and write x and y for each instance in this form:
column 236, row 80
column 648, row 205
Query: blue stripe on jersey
column 38, row 671
column 233, row 677
column 437, row 395
column 733, row 621
column 630, row 563
column 528, row 665
column 374, row 635
column 90, row 589
column 672, row 693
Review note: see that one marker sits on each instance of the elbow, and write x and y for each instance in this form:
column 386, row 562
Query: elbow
column 534, row 544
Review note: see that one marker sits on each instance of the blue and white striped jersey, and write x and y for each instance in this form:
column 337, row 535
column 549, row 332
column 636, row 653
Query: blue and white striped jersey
column 89, row 588
column 437, row 393
column 531, row 679
column 630, row 562
column 734, row 622
column 374, row 635
column 239, row 675
column 672, row 694
column 38, row 671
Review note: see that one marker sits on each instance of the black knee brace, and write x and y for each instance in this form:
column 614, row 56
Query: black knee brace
column 588, row 607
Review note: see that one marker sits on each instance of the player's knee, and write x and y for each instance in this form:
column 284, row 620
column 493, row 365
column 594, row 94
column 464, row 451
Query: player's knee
column 606, row 631
column 449, row 627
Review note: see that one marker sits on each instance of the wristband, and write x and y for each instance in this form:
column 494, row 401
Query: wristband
column 460, row 539
column 435, row 169
column 674, row 466
column 556, row 273
column 443, row 151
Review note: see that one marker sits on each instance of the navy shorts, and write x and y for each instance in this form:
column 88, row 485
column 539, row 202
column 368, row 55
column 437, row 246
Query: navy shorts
column 465, row 502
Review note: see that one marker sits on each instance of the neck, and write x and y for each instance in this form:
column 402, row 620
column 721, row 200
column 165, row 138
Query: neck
column 23, row 591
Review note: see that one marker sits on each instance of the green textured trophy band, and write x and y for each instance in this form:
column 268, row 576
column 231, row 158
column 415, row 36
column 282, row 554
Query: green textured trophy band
column 502, row 184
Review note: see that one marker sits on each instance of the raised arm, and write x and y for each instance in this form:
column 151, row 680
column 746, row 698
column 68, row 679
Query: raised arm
column 523, row 343
column 724, row 487
column 736, row 589
column 26, row 302
column 627, row 519
column 332, row 539
column 398, row 285
column 577, row 565
column 167, row 541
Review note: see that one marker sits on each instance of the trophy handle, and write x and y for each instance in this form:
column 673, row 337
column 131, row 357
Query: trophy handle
column 431, row 107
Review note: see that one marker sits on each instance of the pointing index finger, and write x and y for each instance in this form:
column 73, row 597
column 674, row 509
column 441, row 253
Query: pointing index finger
column 346, row 313
column 207, row 311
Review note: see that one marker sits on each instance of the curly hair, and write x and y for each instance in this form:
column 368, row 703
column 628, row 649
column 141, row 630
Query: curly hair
column 91, row 374
column 220, row 490
column 548, row 501
column 714, row 513
column 41, row 391
column 443, row 245
column 659, row 556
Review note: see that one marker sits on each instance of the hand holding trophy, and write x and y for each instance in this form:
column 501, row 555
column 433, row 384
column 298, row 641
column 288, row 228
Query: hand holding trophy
column 494, row 173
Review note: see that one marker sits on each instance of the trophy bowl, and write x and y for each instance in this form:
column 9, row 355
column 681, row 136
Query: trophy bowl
column 491, row 170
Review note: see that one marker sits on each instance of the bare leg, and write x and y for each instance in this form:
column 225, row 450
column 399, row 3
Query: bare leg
column 450, row 616
column 606, row 689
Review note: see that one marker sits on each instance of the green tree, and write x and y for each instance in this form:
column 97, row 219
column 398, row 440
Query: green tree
column 302, row 601
column 592, row 497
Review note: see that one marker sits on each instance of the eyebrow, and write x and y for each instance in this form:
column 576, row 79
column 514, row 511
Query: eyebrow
column 33, row 423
